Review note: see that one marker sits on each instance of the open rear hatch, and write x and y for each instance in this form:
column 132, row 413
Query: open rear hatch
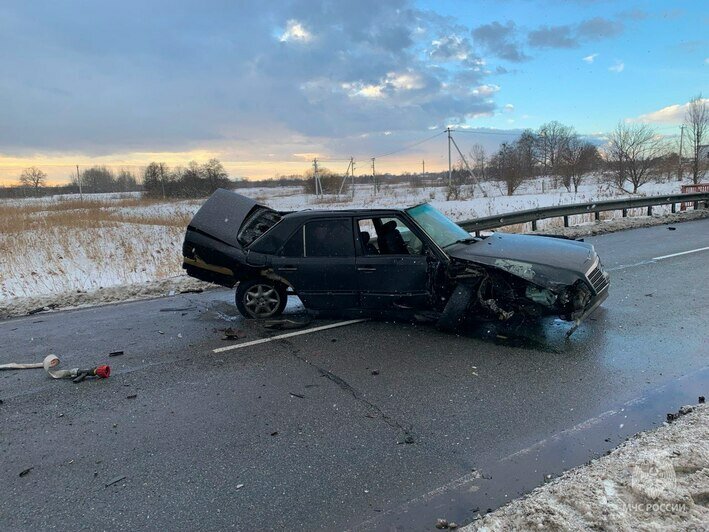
column 219, row 232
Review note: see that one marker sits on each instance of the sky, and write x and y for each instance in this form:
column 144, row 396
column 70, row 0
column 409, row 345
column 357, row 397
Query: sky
column 267, row 86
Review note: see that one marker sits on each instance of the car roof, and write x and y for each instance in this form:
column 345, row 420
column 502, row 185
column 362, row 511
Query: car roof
column 335, row 213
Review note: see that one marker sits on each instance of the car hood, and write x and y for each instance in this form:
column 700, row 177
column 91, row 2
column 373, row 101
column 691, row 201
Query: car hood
column 222, row 214
column 546, row 261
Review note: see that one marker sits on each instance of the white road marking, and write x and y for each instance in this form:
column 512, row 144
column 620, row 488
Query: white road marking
column 680, row 253
column 654, row 260
column 287, row 335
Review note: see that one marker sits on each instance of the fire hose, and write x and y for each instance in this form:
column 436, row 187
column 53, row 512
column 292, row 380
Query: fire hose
column 50, row 364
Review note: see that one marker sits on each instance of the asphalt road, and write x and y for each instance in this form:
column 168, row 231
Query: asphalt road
column 374, row 425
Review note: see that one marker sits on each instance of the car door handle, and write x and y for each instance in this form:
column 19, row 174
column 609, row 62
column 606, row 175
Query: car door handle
column 288, row 268
column 366, row 269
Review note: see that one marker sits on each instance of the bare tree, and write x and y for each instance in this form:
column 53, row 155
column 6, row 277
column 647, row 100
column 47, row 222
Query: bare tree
column 696, row 126
column 633, row 151
column 550, row 141
column 33, row 177
column 506, row 167
column 577, row 159
column 479, row 158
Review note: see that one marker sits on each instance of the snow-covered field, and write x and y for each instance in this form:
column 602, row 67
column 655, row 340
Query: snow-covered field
column 62, row 245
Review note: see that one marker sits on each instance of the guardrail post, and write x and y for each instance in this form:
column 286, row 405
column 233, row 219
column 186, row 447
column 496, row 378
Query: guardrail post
column 597, row 215
column 625, row 213
column 674, row 208
column 566, row 221
column 696, row 205
column 649, row 210
column 534, row 225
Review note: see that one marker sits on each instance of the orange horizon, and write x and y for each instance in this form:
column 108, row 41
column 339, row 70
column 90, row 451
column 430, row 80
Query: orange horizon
column 60, row 169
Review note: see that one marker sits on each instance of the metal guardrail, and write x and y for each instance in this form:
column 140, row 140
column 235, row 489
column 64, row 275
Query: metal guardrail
column 596, row 207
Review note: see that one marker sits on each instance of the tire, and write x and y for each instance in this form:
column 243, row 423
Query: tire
column 260, row 298
column 455, row 311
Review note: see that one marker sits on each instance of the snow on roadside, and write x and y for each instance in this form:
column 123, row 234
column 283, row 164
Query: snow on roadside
column 658, row 480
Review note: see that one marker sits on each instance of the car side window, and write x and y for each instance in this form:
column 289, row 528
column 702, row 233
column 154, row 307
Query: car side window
column 294, row 246
column 329, row 238
column 387, row 236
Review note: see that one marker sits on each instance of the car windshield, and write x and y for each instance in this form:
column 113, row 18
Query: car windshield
column 442, row 230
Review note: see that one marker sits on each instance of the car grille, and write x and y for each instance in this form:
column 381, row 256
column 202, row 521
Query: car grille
column 597, row 279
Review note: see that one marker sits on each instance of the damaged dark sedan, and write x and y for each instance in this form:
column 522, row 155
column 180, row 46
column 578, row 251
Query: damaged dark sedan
column 386, row 260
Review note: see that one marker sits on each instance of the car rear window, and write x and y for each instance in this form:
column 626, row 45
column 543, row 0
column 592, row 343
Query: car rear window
column 260, row 221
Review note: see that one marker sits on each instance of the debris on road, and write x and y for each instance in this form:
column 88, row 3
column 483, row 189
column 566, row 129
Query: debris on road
column 701, row 399
column 26, row 472
column 297, row 395
column 375, row 372
column 115, row 353
column 46, row 308
column 15, row 365
column 683, row 411
column 287, row 324
column 133, row 396
column 50, row 364
column 192, row 291
column 441, row 524
column 672, row 228
column 115, row 481
column 233, row 334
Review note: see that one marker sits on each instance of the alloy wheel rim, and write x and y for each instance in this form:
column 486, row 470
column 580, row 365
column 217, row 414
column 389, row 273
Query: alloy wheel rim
column 262, row 300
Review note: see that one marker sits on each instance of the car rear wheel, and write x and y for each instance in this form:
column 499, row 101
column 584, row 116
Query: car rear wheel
column 260, row 298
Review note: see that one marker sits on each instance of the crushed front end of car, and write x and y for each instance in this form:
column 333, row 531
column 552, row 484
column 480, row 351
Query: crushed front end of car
column 506, row 276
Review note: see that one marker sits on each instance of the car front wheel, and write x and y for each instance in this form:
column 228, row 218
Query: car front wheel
column 260, row 298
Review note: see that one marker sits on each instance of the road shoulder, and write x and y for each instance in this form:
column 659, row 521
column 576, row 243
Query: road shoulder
column 656, row 480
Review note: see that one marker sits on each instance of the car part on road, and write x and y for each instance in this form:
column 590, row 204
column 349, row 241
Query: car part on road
column 285, row 324
column 376, row 261
column 50, row 364
column 233, row 334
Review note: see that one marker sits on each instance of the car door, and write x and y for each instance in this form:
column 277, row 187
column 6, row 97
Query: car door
column 389, row 276
column 318, row 260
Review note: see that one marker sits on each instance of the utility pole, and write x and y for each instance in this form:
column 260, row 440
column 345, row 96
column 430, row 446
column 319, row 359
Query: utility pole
column 374, row 176
column 679, row 162
column 352, row 166
column 78, row 179
column 423, row 168
column 318, row 186
column 450, row 167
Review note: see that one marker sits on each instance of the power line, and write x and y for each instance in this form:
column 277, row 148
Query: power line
column 409, row 146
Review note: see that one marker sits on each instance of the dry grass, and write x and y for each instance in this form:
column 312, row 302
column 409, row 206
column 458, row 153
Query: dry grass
column 16, row 218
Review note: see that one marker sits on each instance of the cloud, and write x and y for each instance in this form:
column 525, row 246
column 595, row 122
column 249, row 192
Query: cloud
column 617, row 67
column 295, row 32
column 572, row 35
column 508, row 108
column 552, row 37
column 670, row 115
column 500, row 40
column 450, row 48
column 168, row 76
column 590, row 58
column 599, row 28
